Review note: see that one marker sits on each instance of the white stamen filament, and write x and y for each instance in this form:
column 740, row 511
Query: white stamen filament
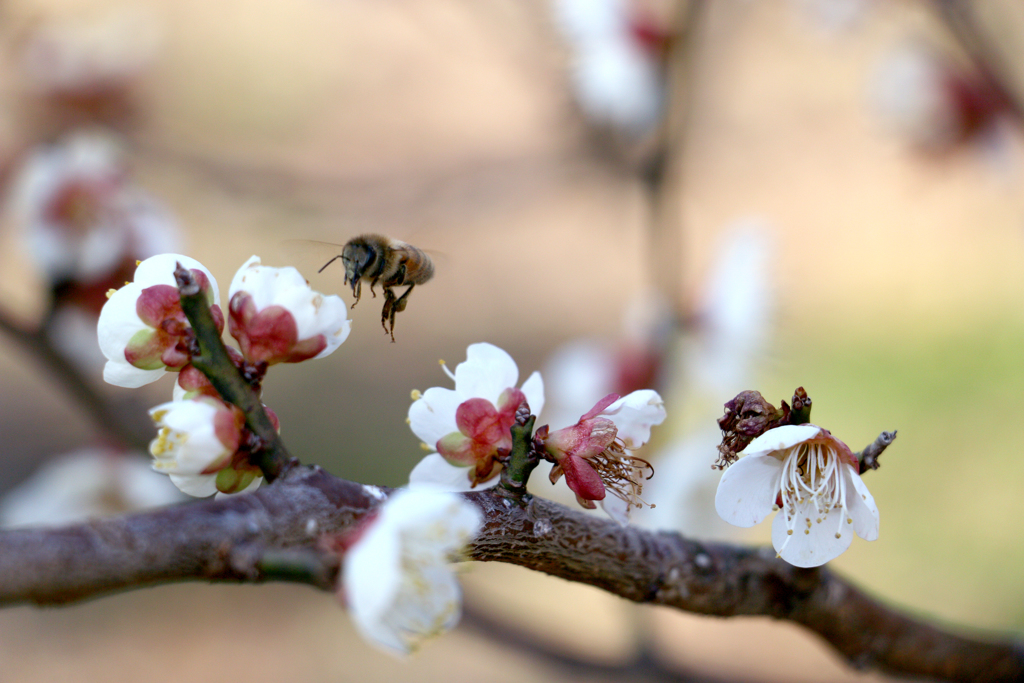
column 811, row 471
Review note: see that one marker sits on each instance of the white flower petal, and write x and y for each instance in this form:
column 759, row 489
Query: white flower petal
column 486, row 372
column 128, row 376
column 372, row 575
column 860, row 506
column 198, row 485
column 159, row 270
column 433, row 473
column 119, row 321
column 432, row 416
column 634, row 415
column 814, row 545
column 533, row 389
column 780, row 438
column 618, row 84
column 450, row 520
column 748, row 490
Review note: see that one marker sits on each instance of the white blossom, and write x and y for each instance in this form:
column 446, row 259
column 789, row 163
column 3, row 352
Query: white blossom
column 86, row 484
column 490, row 374
column 81, row 216
column 397, row 583
column 812, row 479
column 133, row 336
column 618, row 80
column 195, row 445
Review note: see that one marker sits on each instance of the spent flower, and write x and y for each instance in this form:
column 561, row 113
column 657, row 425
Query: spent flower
column 596, row 453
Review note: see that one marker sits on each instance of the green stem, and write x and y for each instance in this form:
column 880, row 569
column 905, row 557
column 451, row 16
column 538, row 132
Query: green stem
column 521, row 460
column 214, row 362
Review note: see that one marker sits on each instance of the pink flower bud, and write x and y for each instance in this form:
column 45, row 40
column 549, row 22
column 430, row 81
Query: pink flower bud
column 277, row 318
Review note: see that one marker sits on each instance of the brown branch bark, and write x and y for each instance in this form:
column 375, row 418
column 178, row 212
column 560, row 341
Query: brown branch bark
column 271, row 535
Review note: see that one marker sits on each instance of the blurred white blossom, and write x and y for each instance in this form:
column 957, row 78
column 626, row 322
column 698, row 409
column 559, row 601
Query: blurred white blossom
column 81, row 216
column 86, row 484
column 617, row 72
column 396, row 580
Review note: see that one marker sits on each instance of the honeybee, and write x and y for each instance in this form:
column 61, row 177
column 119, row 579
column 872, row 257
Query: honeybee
column 391, row 262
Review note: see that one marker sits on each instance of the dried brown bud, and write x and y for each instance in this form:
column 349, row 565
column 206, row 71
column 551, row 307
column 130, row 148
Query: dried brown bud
column 749, row 415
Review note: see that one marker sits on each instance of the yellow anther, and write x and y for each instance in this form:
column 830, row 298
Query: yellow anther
column 110, row 292
column 416, row 395
column 425, row 446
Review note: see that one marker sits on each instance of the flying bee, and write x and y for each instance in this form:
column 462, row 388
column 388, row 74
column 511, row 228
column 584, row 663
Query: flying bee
column 391, row 262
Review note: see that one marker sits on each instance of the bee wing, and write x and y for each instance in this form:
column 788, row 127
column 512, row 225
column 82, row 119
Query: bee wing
column 310, row 256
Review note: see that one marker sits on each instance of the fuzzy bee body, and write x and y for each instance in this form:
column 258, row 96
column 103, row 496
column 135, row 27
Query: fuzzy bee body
column 392, row 263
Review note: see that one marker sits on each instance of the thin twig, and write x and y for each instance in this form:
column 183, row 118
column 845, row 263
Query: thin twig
column 213, row 360
column 869, row 456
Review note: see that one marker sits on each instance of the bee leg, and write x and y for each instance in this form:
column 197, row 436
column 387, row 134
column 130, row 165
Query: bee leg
column 397, row 305
column 372, row 284
column 402, row 301
column 387, row 313
column 357, row 291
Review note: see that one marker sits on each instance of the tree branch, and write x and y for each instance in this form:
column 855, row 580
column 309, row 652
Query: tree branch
column 95, row 405
column 272, row 534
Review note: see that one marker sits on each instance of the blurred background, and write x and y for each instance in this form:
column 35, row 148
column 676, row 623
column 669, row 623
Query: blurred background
column 817, row 193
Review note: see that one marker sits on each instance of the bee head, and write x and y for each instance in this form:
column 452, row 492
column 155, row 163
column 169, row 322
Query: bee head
column 357, row 257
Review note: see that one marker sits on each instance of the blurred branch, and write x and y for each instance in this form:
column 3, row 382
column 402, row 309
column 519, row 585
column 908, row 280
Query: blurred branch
column 643, row 666
column 662, row 174
column 96, row 407
column 981, row 47
column 241, row 539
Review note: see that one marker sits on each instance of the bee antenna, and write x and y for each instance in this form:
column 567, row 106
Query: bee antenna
column 329, row 263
